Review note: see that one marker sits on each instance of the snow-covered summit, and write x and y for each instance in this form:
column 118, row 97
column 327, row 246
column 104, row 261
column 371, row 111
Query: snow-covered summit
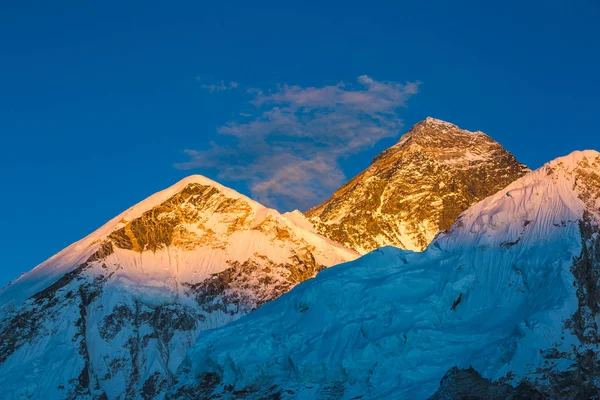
column 576, row 160
column 202, row 180
column 563, row 188
column 416, row 188
column 555, row 195
column 112, row 315
column 47, row 272
column 435, row 121
column 503, row 305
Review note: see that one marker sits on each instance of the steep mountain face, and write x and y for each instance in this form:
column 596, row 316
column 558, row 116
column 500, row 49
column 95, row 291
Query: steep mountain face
column 111, row 316
column 416, row 188
column 505, row 304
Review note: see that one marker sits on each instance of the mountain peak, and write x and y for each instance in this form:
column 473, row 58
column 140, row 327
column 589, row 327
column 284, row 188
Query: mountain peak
column 444, row 141
column 432, row 126
column 125, row 303
column 194, row 213
column 197, row 178
column 435, row 121
column 575, row 159
column 443, row 138
column 416, row 188
column 555, row 195
column 204, row 181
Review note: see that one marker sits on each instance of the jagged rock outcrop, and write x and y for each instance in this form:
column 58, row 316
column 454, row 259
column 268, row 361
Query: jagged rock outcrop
column 416, row 188
column 467, row 383
column 111, row 316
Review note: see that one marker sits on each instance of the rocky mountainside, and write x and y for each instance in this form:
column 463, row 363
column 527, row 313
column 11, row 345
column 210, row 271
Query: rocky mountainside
column 505, row 304
column 416, row 188
column 111, row 316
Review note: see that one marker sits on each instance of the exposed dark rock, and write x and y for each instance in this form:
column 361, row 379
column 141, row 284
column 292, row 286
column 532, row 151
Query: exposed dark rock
column 154, row 385
column 114, row 322
column 209, row 386
column 87, row 294
column 225, row 290
column 105, row 250
column 586, row 270
column 463, row 384
column 133, row 344
column 163, row 321
column 167, row 319
column 202, row 389
column 456, row 302
column 20, row 329
column 508, row 245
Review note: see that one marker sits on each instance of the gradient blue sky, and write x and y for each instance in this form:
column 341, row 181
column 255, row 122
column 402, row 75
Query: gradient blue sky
column 99, row 100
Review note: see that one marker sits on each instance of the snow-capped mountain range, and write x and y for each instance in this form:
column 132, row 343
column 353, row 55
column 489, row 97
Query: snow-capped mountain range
column 503, row 302
column 111, row 316
column 503, row 305
column 416, row 188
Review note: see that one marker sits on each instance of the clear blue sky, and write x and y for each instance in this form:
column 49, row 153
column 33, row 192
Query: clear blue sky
column 99, row 100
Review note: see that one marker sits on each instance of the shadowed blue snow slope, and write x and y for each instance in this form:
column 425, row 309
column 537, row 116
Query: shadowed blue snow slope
column 499, row 292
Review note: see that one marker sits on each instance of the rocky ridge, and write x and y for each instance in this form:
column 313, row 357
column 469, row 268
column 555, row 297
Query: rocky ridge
column 416, row 188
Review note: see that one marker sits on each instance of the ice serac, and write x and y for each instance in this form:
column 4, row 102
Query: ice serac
column 416, row 188
column 503, row 305
column 111, row 316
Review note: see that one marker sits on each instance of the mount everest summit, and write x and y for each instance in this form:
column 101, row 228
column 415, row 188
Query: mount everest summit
column 416, row 188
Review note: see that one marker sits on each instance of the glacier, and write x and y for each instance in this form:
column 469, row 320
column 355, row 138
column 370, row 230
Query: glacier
column 509, row 291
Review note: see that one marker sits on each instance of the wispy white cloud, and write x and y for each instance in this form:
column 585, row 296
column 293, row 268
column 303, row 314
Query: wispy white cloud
column 288, row 150
column 220, row 86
